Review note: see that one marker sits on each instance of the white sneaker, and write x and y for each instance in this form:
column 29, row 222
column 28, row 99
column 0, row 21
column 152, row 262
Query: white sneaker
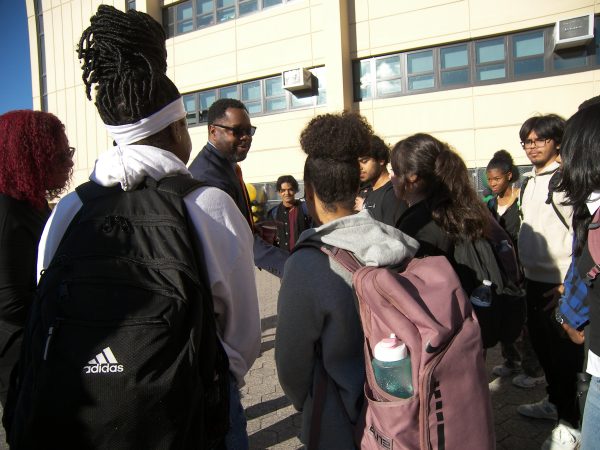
column 540, row 410
column 504, row 371
column 563, row 437
column 526, row 382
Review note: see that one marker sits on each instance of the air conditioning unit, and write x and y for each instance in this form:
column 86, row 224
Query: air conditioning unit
column 296, row 79
column 574, row 32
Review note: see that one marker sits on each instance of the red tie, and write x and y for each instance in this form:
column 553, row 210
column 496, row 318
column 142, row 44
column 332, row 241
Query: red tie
column 238, row 172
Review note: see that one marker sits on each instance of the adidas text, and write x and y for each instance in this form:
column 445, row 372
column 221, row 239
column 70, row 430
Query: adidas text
column 103, row 368
column 104, row 362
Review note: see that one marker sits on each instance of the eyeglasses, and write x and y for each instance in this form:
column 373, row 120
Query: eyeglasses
column 539, row 142
column 238, row 132
column 67, row 155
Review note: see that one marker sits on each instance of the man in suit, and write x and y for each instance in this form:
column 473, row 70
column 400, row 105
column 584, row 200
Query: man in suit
column 229, row 139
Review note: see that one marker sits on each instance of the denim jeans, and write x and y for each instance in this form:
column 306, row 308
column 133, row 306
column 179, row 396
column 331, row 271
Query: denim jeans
column 237, row 436
column 590, row 433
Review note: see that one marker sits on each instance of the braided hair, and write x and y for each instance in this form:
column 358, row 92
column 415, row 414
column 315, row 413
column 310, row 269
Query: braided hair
column 124, row 54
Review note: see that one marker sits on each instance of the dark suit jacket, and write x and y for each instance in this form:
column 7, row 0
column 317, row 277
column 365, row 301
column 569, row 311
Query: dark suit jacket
column 215, row 170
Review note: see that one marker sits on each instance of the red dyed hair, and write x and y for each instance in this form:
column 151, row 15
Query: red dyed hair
column 33, row 148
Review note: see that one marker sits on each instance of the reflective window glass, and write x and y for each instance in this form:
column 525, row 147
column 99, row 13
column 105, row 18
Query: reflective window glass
column 204, row 6
column 387, row 67
column 248, row 7
column 228, row 92
column 276, row 104
column 206, row 99
column 420, row 62
column 529, row 44
column 491, row 72
column 450, row 77
column 420, row 82
column 455, row 56
column 189, row 102
column 489, row 51
column 273, row 87
column 527, row 66
column 267, row 3
column 251, row 91
column 253, row 107
column 224, row 15
column 301, row 101
column 570, row 58
column 388, row 87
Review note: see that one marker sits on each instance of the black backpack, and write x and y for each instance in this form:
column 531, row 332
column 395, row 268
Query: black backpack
column 493, row 258
column 121, row 349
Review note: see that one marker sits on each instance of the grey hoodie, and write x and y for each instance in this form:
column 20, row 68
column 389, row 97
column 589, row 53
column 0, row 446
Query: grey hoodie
column 316, row 308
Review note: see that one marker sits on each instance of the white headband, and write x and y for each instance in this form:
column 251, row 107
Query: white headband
column 133, row 132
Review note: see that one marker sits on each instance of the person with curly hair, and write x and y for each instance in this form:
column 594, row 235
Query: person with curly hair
column 318, row 324
column 36, row 163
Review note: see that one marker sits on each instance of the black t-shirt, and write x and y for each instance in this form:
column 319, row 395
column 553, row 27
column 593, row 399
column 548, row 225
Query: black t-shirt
column 383, row 205
column 510, row 220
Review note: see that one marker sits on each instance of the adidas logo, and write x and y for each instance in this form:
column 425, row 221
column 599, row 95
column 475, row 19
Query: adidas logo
column 104, row 362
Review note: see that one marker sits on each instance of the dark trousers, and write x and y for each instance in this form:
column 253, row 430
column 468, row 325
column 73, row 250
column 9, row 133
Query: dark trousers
column 560, row 358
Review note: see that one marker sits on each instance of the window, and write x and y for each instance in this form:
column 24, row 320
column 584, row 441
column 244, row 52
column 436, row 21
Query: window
column 420, row 70
column 130, row 5
column 490, row 59
column 264, row 96
column 499, row 59
column 274, row 94
column 454, row 65
column 388, row 75
column 252, row 97
column 197, row 14
column 528, row 53
column 184, row 17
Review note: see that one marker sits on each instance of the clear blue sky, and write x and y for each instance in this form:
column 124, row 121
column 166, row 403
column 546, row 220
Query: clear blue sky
column 15, row 71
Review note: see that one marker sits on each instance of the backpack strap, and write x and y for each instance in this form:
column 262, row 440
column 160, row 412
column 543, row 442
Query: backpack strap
column 552, row 184
column 179, row 185
column 343, row 257
column 90, row 191
column 594, row 246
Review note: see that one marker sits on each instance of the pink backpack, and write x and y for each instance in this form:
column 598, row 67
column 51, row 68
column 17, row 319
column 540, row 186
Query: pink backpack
column 426, row 307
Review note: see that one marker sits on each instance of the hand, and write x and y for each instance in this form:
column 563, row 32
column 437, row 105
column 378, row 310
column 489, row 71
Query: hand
column 554, row 294
column 358, row 203
column 576, row 336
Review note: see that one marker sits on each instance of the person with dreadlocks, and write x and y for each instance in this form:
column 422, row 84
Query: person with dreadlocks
column 36, row 163
column 124, row 56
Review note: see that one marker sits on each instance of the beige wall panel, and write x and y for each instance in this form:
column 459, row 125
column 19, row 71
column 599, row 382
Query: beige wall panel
column 58, row 68
column 462, row 141
column 488, row 17
column 419, row 28
column 214, row 71
column 378, row 8
column 490, row 140
column 318, row 48
column 70, row 66
column 360, row 40
column 513, row 103
column 269, row 165
column 318, row 19
column 55, row 3
column 258, row 30
column 90, row 133
column 269, row 57
column 435, row 114
column 199, row 45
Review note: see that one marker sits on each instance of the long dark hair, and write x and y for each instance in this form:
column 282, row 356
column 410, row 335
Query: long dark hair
column 333, row 143
column 456, row 208
column 125, row 55
column 580, row 153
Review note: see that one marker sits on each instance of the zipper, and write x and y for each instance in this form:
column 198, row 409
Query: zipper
column 89, row 324
column 48, row 339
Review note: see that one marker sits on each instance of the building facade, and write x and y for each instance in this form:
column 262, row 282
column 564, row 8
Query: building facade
column 467, row 71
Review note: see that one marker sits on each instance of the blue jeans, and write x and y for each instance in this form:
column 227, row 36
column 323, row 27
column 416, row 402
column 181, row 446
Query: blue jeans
column 237, row 436
column 590, row 433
